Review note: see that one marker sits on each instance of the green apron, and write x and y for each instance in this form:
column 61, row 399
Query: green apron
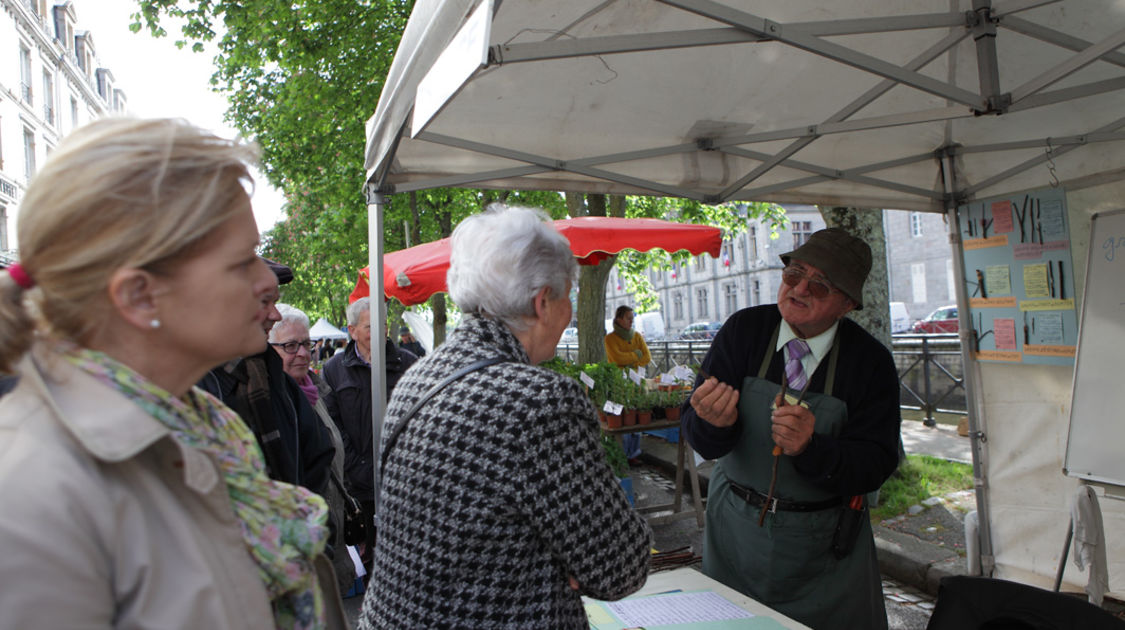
column 788, row 563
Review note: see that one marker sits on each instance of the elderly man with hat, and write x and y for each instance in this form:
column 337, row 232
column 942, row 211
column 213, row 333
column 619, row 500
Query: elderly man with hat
column 786, row 518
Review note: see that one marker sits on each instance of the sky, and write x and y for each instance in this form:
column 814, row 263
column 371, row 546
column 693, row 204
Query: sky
column 161, row 80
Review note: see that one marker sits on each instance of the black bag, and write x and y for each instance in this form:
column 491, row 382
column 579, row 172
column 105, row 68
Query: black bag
column 354, row 532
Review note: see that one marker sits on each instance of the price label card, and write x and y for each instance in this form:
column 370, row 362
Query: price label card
column 633, row 376
column 641, row 371
column 613, row 408
column 667, row 379
column 586, row 380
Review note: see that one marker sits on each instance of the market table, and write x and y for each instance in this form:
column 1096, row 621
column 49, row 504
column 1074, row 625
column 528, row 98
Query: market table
column 684, row 454
column 687, row 581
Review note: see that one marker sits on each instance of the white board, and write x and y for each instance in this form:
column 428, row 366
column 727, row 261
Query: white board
column 1095, row 448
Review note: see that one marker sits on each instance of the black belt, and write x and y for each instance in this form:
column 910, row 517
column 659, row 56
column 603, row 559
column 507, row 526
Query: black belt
column 757, row 499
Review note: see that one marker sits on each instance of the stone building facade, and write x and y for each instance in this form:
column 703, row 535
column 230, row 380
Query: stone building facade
column 51, row 81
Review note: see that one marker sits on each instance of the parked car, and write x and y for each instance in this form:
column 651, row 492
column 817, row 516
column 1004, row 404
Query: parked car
column 942, row 320
column 570, row 335
column 700, row 330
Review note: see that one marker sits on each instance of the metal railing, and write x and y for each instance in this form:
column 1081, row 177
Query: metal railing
column 930, row 370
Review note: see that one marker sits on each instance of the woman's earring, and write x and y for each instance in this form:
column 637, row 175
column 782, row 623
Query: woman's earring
column 154, row 324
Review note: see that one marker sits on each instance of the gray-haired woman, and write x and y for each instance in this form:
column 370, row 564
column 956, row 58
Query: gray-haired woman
column 497, row 509
column 290, row 339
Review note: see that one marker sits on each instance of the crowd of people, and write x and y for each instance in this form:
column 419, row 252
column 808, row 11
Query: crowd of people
column 170, row 456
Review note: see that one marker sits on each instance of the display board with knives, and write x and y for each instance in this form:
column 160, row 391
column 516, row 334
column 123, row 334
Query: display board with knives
column 1019, row 277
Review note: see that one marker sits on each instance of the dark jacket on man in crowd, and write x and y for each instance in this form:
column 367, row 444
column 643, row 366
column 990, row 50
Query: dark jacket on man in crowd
column 297, row 446
column 349, row 404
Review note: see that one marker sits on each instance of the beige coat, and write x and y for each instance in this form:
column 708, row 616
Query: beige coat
column 107, row 521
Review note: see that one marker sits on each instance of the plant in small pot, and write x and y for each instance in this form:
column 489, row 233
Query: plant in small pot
column 616, row 392
column 632, row 399
column 671, row 402
column 648, row 402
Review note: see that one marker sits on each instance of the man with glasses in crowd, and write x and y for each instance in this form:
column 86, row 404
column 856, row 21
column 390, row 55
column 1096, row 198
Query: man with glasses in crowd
column 786, row 519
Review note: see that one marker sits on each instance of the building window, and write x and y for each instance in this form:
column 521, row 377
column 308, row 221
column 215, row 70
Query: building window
column 701, row 301
column 25, row 74
column 701, row 262
column 3, row 229
column 48, row 98
column 678, row 306
column 802, row 230
column 28, row 154
column 752, row 239
column 916, row 224
column 731, row 298
column 757, row 293
column 918, row 282
column 728, row 255
column 73, row 112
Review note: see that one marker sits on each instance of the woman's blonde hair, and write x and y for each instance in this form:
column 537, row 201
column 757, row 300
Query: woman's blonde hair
column 116, row 193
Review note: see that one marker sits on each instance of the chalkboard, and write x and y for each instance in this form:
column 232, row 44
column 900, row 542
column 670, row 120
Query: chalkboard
column 1094, row 448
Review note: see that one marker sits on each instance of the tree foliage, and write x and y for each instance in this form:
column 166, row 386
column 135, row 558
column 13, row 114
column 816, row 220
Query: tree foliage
column 301, row 77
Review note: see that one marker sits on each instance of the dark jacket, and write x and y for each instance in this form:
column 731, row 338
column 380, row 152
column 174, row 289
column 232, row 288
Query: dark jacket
column 349, row 404
column 865, row 452
column 297, row 446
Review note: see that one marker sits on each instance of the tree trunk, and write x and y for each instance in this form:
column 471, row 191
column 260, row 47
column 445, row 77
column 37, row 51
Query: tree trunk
column 592, row 279
column 437, row 302
column 867, row 224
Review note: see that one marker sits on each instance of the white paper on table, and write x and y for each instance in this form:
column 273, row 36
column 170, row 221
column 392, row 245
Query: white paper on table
column 586, row 380
column 354, row 555
column 673, row 608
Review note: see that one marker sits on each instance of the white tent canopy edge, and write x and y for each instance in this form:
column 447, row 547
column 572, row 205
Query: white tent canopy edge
column 918, row 105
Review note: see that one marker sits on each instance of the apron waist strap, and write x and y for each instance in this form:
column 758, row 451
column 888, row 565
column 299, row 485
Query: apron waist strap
column 757, row 499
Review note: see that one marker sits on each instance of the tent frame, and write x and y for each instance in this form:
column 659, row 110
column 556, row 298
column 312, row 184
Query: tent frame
column 984, row 23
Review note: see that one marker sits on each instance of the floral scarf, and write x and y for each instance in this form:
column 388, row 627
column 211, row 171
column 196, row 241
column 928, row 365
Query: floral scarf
column 283, row 526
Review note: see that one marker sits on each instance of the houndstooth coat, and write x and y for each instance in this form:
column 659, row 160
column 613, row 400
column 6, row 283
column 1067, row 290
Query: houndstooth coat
column 496, row 492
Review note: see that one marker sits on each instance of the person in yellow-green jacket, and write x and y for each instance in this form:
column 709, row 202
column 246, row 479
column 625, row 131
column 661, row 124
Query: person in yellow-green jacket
column 627, row 349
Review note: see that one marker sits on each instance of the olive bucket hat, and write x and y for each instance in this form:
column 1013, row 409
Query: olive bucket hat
column 844, row 259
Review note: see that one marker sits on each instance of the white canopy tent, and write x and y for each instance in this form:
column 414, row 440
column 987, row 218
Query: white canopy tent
column 323, row 330
column 919, row 105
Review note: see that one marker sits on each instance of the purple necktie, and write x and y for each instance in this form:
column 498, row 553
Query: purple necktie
column 794, row 371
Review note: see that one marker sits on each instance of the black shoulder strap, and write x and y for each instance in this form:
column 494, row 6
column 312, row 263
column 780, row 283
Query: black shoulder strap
column 392, row 439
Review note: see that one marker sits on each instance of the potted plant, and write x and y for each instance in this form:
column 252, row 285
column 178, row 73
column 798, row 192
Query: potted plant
column 671, row 403
column 648, row 402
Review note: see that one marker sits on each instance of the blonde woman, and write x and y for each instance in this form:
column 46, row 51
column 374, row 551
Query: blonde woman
column 130, row 498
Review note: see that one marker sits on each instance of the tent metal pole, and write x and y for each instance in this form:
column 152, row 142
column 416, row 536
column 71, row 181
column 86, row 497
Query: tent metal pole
column 977, row 434
column 376, row 202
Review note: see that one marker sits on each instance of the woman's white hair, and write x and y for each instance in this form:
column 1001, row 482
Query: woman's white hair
column 290, row 315
column 502, row 257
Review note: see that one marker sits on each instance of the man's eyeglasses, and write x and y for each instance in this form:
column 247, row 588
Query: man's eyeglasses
column 818, row 286
column 291, row 347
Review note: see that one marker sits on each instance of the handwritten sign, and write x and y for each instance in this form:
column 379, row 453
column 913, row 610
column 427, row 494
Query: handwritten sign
column 586, row 380
column 1005, row 330
column 613, row 408
column 633, row 376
